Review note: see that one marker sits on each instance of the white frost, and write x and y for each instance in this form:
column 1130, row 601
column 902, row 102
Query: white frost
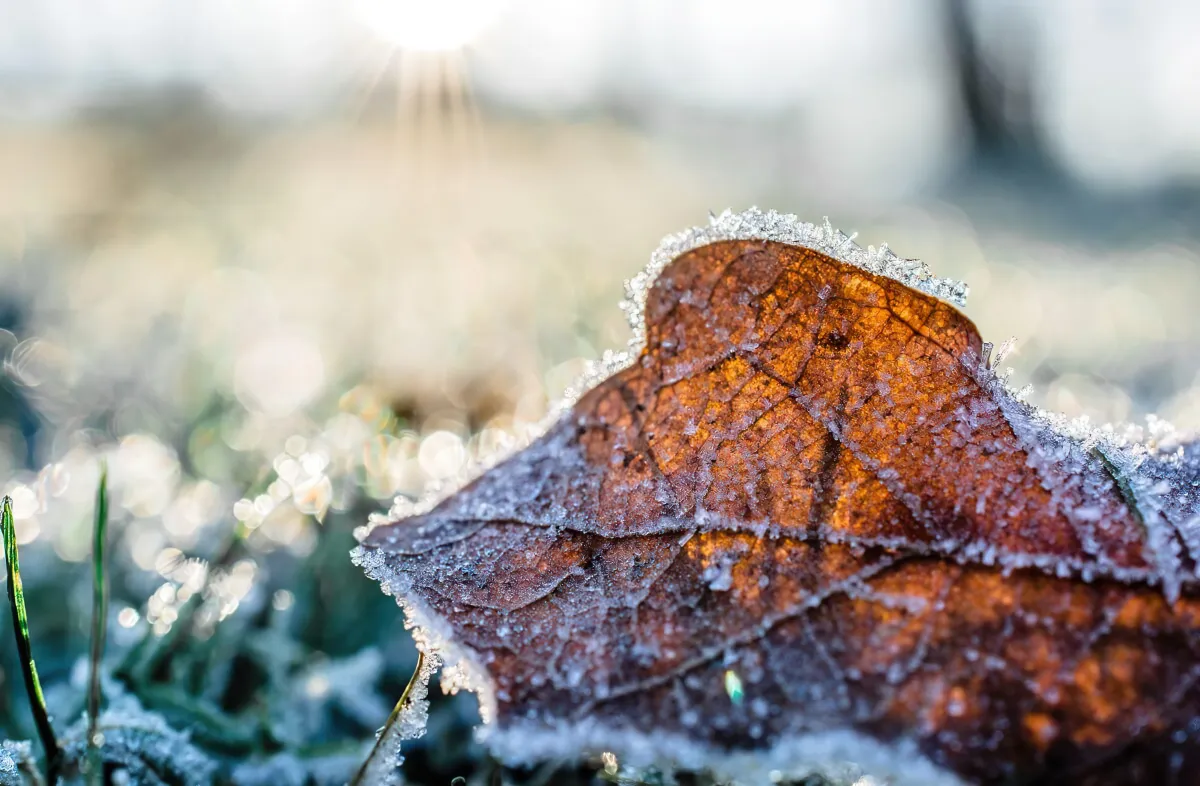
column 840, row 756
column 755, row 224
column 141, row 743
column 14, row 756
column 287, row 769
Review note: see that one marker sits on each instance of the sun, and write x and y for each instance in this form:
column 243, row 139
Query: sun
column 428, row 25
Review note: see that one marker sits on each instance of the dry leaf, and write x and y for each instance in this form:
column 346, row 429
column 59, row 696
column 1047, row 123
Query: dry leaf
column 806, row 528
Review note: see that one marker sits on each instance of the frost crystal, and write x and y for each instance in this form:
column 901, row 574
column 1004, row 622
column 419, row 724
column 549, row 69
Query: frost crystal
column 754, row 224
column 14, row 756
column 838, row 758
column 383, row 767
column 408, row 726
column 1156, row 468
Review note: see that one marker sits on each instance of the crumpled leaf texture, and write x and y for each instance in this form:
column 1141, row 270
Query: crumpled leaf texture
column 808, row 505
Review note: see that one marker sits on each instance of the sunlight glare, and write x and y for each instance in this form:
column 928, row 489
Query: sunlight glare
column 423, row 26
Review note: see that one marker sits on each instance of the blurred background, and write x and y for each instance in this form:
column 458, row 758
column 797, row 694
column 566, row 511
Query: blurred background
column 278, row 261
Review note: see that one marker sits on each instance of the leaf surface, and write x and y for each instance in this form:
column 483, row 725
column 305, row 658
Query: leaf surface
column 806, row 525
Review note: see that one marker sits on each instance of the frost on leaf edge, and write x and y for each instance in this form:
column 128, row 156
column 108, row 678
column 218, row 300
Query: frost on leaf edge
column 756, row 224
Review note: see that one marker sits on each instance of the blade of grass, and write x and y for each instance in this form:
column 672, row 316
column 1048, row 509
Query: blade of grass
column 33, row 686
column 99, row 625
column 397, row 711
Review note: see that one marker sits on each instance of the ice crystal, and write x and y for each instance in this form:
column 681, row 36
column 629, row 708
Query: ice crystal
column 755, row 224
column 1156, row 467
column 14, row 757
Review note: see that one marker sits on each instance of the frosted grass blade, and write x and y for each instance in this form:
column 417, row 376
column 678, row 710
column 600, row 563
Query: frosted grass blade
column 386, row 732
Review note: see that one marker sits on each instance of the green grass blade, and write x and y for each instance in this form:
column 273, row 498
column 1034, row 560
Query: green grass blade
column 397, row 711
column 16, row 600
column 99, row 623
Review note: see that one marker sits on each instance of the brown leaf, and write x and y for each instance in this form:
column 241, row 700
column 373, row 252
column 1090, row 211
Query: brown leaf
column 808, row 525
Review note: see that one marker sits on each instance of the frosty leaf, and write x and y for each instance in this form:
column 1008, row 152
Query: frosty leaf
column 809, row 484
column 139, row 743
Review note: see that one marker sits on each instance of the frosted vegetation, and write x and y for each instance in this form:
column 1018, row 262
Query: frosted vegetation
column 221, row 678
column 140, row 744
column 15, row 759
column 407, row 722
